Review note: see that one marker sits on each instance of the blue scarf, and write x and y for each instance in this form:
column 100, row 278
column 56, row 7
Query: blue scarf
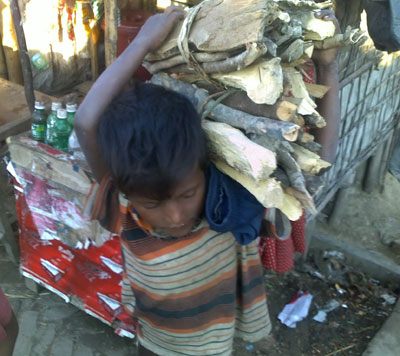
column 231, row 207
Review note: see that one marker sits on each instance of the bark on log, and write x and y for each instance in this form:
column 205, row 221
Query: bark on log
column 282, row 110
column 263, row 82
column 308, row 161
column 268, row 192
column 244, row 21
column 316, row 90
column 314, row 121
column 299, row 120
column 305, row 137
column 231, row 146
column 222, row 113
column 292, row 170
column 201, row 57
column 311, row 146
column 23, row 53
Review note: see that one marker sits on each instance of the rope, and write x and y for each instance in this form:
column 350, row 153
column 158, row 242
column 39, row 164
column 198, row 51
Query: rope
column 216, row 102
column 183, row 43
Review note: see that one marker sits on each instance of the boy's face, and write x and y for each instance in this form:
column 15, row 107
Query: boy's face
column 176, row 215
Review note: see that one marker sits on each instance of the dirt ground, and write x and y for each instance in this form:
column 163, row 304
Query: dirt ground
column 363, row 306
column 370, row 221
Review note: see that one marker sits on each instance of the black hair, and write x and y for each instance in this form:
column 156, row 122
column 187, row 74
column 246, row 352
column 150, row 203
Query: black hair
column 150, row 138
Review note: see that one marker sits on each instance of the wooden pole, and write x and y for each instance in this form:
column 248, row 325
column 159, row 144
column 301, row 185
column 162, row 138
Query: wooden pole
column 111, row 34
column 3, row 64
column 23, row 54
column 371, row 181
column 390, row 148
column 94, row 56
column 10, row 46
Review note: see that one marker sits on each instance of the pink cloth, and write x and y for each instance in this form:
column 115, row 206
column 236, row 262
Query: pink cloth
column 5, row 315
column 278, row 254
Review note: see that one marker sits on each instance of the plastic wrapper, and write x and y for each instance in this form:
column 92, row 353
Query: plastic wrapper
column 60, row 249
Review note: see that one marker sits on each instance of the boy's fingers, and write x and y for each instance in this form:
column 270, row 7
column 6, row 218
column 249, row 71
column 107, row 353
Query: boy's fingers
column 328, row 15
column 174, row 9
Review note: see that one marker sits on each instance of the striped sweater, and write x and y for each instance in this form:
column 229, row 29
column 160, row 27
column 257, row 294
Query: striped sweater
column 191, row 295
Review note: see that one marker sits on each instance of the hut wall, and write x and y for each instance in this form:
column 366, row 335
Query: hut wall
column 370, row 83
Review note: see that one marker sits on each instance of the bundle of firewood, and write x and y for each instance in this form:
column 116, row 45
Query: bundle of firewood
column 239, row 64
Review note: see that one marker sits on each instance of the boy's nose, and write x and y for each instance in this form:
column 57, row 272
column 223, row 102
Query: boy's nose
column 174, row 214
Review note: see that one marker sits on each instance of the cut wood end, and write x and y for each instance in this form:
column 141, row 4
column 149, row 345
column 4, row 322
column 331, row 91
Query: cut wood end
column 291, row 134
column 268, row 192
column 291, row 207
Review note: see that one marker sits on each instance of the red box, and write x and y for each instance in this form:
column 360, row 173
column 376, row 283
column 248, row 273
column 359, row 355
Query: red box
column 131, row 22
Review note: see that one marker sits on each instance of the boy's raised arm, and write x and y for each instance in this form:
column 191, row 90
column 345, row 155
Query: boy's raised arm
column 114, row 79
column 329, row 106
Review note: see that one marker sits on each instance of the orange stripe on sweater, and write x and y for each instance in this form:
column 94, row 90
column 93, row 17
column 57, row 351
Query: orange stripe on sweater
column 191, row 331
column 179, row 265
column 185, row 294
column 174, row 247
column 188, row 277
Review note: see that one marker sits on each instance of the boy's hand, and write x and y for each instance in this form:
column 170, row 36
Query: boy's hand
column 157, row 27
column 326, row 57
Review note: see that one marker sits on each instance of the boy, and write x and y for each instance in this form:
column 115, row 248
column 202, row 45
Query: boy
column 8, row 326
column 191, row 289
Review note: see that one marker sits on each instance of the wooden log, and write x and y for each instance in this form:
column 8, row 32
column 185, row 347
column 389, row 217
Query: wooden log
column 351, row 37
column 263, row 82
column 293, row 52
column 111, row 34
column 316, row 90
column 291, row 207
column 231, row 146
column 23, row 53
column 295, row 82
column 297, row 5
column 10, row 46
column 311, row 146
column 299, row 120
column 314, row 28
column 314, row 184
column 268, row 192
column 282, row 110
column 305, row 106
column 249, row 123
column 244, row 21
column 291, row 168
column 305, row 137
column 308, row 161
column 201, row 57
column 314, row 121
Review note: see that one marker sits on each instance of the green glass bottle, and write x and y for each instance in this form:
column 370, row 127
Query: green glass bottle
column 51, row 124
column 71, row 110
column 63, row 130
column 38, row 129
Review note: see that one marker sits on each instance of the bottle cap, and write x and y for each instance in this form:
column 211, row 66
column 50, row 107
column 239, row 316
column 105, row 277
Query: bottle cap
column 62, row 113
column 55, row 105
column 72, row 107
column 40, row 105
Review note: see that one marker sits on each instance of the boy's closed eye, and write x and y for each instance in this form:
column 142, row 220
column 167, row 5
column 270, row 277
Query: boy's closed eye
column 189, row 194
column 156, row 203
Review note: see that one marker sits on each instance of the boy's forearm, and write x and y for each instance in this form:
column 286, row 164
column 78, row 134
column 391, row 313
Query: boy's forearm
column 329, row 108
column 104, row 90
